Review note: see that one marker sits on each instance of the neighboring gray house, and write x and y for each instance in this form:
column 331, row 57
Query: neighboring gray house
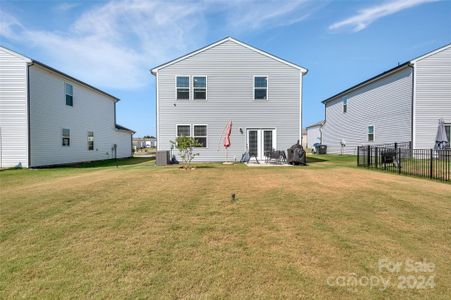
column 314, row 134
column 50, row 118
column 400, row 105
column 197, row 94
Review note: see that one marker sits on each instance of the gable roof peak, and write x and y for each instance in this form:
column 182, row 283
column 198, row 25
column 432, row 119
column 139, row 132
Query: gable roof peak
column 228, row 38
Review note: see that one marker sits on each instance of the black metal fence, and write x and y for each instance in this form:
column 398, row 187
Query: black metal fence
column 402, row 159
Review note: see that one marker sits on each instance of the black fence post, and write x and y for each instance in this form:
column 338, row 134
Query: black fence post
column 358, row 156
column 431, row 164
column 399, row 160
column 376, row 159
column 368, row 155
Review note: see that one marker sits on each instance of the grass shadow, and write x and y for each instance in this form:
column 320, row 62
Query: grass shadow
column 107, row 163
column 113, row 162
column 311, row 159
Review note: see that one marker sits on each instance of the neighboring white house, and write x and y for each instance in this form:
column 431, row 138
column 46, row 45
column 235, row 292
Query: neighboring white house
column 197, row 94
column 50, row 118
column 314, row 134
column 403, row 104
column 304, row 138
column 140, row 143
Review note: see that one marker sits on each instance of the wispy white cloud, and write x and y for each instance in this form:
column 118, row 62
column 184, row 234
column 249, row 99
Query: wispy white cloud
column 115, row 43
column 66, row 6
column 9, row 25
column 255, row 14
column 366, row 16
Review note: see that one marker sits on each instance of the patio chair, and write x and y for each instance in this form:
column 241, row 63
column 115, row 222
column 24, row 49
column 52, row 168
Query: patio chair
column 278, row 156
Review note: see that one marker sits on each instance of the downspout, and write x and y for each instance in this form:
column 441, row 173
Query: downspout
column 28, row 113
column 325, row 121
column 300, row 108
column 413, row 110
column 157, row 112
column 114, row 114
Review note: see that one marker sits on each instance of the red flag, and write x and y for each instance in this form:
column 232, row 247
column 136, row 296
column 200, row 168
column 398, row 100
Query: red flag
column 228, row 132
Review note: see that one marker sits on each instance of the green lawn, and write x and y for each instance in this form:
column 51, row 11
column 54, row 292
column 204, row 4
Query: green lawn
column 141, row 231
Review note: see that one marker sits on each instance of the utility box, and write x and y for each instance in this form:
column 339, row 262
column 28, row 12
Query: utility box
column 322, row 149
column 162, row 158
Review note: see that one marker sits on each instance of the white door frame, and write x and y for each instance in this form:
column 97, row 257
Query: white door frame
column 260, row 140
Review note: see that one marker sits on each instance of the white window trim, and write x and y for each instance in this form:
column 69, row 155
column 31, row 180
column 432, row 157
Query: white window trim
column 267, row 88
column 206, row 87
column 65, row 93
column 368, row 133
column 191, row 132
column 177, row 126
column 206, row 126
column 62, row 136
column 93, row 139
column 189, row 87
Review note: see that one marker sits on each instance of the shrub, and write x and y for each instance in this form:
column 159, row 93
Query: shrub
column 185, row 145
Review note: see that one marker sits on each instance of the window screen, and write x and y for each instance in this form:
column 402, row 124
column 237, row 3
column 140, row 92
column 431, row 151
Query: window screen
column 260, row 88
column 182, row 87
column 200, row 87
column 200, row 134
column 183, row 130
column 69, row 90
column 66, row 137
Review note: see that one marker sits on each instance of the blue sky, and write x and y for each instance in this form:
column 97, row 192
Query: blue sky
column 113, row 44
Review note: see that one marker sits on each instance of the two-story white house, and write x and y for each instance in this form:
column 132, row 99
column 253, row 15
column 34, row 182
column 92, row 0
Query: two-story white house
column 314, row 134
column 197, row 94
column 50, row 118
column 403, row 104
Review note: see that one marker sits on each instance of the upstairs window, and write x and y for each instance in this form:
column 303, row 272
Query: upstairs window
column 90, row 140
column 345, row 105
column 66, row 137
column 200, row 134
column 182, row 87
column 200, row 87
column 69, row 90
column 370, row 133
column 260, row 88
column 183, row 130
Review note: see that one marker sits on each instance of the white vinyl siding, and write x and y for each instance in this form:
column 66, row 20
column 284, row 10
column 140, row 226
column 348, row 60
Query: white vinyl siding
column 13, row 110
column 433, row 96
column 49, row 115
column 313, row 136
column 230, row 69
column 385, row 104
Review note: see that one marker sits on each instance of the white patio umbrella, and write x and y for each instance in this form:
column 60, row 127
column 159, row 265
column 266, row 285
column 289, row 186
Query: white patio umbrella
column 441, row 141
